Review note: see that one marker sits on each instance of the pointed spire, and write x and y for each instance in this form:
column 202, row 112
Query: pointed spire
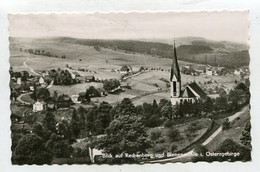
column 175, row 70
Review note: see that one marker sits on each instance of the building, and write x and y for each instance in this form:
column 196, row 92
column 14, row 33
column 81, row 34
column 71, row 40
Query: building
column 102, row 91
column 75, row 99
column 189, row 93
column 125, row 69
column 90, row 78
column 74, row 75
column 39, row 106
column 63, row 101
column 41, row 80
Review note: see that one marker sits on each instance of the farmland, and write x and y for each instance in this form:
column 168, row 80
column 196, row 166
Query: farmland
column 102, row 65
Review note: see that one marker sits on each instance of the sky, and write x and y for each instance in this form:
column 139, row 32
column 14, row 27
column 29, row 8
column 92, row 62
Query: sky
column 225, row 25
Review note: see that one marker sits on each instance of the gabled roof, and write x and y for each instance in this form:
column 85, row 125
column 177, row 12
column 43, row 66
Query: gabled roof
column 76, row 73
column 187, row 93
column 126, row 68
column 175, row 70
column 194, row 86
column 89, row 77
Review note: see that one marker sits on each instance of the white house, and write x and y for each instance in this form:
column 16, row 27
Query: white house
column 74, row 99
column 41, row 80
column 39, row 106
column 19, row 81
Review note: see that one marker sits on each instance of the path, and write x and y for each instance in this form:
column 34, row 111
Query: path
column 31, row 69
column 208, row 140
column 20, row 100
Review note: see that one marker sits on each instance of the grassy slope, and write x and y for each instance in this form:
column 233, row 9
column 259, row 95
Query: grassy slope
column 234, row 133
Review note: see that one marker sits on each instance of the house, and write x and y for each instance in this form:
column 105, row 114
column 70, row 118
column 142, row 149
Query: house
column 81, row 79
column 90, row 78
column 82, row 96
column 238, row 72
column 102, row 91
column 125, row 69
column 84, row 69
column 31, row 88
column 19, row 81
column 39, row 106
column 209, row 72
column 75, row 99
column 45, row 73
column 74, row 75
column 189, row 93
column 63, row 101
column 200, row 69
column 41, row 80
column 50, row 104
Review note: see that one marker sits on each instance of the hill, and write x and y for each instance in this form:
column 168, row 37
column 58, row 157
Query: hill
column 190, row 49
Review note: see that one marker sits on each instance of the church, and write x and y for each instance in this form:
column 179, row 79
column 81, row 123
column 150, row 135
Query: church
column 190, row 92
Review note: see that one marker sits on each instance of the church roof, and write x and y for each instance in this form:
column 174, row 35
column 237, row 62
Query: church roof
column 175, row 70
column 194, row 86
column 191, row 89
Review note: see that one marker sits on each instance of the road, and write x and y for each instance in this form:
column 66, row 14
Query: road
column 31, row 69
column 20, row 100
column 208, row 140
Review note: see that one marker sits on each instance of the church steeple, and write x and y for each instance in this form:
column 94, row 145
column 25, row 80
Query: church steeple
column 175, row 70
column 175, row 77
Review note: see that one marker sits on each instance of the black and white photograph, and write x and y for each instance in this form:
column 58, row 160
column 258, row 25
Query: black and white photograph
column 129, row 88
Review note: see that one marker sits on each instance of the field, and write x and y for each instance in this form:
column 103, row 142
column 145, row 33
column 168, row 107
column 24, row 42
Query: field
column 101, row 65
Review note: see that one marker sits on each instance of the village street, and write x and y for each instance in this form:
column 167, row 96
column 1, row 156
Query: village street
column 207, row 141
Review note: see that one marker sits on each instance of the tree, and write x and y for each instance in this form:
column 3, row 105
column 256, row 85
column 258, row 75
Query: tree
column 63, row 129
column 221, row 104
column 226, row 124
column 93, row 92
column 58, row 147
column 40, row 131
column 174, row 135
column 246, row 136
column 55, row 95
column 49, row 122
column 42, row 94
column 126, row 132
column 74, row 124
column 111, row 84
column 31, row 150
column 166, row 111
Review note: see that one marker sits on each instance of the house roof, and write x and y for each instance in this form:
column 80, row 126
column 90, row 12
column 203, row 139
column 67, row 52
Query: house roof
column 82, row 93
column 63, row 98
column 41, row 102
column 76, row 73
column 126, row 68
column 89, row 77
column 101, row 90
column 194, row 86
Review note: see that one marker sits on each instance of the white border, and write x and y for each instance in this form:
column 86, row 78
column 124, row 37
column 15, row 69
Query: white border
column 77, row 6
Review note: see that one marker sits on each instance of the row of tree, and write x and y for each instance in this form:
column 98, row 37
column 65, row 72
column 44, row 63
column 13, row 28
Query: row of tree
column 41, row 52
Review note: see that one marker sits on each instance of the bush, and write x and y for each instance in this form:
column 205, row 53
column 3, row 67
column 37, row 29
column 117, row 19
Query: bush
column 155, row 135
column 174, row 135
column 168, row 123
column 174, row 147
column 226, row 124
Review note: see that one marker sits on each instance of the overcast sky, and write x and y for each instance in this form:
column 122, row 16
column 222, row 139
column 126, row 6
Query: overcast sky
column 229, row 26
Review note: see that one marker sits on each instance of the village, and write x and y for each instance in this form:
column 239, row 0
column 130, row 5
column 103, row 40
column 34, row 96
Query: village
column 71, row 90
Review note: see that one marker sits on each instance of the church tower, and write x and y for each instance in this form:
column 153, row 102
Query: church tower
column 175, row 78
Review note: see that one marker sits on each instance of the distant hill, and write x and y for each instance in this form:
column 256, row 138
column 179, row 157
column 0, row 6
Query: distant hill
column 191, row 49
